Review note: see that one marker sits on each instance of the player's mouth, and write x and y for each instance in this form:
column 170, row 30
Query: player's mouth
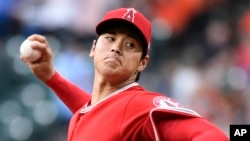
column 113, row 59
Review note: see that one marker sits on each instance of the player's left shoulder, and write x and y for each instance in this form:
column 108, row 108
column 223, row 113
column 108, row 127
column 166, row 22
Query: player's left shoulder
column 159, row 103
column 164, row 104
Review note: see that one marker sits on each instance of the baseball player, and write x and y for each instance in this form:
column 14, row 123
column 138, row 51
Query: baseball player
column 119, row 109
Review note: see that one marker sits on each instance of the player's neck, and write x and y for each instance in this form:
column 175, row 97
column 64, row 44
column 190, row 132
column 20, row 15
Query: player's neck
column 102, row 89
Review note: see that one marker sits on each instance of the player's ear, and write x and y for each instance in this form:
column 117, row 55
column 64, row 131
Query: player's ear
column 91, row 54
column 143, row 63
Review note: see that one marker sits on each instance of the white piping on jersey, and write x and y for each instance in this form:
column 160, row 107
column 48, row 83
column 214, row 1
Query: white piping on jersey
column 87, row 108
column 157, row 138
column 176, row 109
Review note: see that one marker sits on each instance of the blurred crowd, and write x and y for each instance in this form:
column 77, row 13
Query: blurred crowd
column 200, row 56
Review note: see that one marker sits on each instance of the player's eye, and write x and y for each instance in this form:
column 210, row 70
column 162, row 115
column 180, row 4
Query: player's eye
column 130, row 44
column 109, row 38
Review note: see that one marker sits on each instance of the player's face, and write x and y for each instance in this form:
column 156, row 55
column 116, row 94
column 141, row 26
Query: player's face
column 117, row 54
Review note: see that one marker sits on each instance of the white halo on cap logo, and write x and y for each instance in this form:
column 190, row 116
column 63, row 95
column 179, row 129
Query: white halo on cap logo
column 130, row 14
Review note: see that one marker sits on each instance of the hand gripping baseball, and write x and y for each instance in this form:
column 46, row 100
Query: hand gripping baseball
column 37, row 54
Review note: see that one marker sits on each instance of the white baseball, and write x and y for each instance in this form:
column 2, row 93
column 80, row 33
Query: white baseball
column 28, row 53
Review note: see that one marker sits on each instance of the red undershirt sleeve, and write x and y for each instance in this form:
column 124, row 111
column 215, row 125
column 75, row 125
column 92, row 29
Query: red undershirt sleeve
column 71, row 95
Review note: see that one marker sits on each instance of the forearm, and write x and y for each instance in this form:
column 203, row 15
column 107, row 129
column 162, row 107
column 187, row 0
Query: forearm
column 71, row 95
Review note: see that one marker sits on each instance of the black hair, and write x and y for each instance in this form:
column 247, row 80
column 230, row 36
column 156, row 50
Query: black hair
column 144, row 53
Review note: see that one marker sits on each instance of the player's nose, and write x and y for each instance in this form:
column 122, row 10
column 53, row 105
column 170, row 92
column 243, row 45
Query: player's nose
column 116, row 48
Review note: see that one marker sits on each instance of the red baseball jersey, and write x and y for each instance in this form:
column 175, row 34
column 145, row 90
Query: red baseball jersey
column 131, row 114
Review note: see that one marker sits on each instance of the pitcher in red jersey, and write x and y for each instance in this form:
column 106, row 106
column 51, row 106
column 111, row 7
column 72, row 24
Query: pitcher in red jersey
column 119, row 109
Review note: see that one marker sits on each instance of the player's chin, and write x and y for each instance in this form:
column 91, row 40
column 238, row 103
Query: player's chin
column 113, row 70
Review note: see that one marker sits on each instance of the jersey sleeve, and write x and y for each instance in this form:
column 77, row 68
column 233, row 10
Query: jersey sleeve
column 70, row 94
column 189, row 128
column 171, row 121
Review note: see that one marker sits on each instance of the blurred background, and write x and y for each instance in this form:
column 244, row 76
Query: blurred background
column 200, row 55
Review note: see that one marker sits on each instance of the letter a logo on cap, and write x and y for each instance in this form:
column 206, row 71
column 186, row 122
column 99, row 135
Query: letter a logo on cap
column 130, row 14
